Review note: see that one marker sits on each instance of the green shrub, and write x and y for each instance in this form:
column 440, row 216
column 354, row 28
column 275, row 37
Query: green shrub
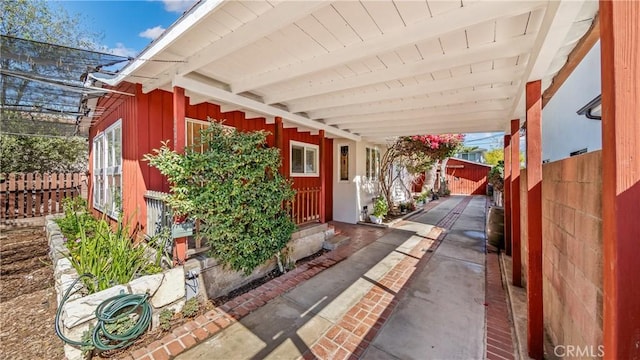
column 234, row 188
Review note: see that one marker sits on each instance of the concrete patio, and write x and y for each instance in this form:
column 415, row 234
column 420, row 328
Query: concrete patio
column 415, row 291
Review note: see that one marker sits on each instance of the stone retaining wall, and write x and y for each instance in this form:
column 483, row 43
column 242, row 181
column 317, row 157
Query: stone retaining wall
column 216, row 281
column 167, row 291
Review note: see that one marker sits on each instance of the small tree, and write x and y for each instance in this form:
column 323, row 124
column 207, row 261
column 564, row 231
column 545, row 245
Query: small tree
column 417, row 154
column 494, row 156
column 234, row 188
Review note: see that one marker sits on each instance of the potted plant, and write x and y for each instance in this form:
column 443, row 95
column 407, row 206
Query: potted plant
column 380, row 209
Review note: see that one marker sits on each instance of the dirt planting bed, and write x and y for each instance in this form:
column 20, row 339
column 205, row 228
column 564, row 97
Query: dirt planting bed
column 27, row 297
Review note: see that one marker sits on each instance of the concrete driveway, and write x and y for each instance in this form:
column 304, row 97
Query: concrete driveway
column 414, row 292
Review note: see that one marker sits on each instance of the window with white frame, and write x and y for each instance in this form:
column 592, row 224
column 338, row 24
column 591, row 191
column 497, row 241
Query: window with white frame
column 372, row 163
column 107, row 170
column 304, row 159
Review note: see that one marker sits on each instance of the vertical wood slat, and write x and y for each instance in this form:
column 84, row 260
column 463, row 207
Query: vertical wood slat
column 67, row 189
column 53, row 192
column 20, row 193
column 13, row 196
column 28, row 193
column 46, row 193
column 28, row 201
column 76, row 184
column 37, row 194
column 298, row 204
column 305, row 214
column 59, row 192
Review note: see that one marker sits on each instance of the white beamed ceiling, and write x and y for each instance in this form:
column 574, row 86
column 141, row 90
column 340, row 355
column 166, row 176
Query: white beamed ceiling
column 375, row 69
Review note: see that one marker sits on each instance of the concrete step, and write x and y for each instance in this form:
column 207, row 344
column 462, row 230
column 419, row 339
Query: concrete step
column 335, row 242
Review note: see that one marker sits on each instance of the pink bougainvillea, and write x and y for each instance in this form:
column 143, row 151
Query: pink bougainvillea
column 424, row 150
column 435, row 141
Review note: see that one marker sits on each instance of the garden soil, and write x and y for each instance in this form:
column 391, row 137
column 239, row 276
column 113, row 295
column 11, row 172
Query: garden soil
column 27, row 297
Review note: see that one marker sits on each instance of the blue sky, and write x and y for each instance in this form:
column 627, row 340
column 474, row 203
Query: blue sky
column 129, row 26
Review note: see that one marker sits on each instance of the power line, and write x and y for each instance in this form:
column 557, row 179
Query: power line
column 485, row 138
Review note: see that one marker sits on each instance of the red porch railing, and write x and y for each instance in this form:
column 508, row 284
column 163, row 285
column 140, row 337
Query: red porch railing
column 305, row 207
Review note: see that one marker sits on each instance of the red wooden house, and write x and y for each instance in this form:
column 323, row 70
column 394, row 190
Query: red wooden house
column 338, row 78
column 132, row 126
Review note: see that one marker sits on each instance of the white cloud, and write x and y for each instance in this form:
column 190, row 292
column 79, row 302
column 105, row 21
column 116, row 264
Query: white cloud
column 152, row 33
column 122, row 50
column 178, row 6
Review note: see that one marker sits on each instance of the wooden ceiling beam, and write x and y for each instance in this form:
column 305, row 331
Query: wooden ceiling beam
column 503, row 75
column 491, row 51
column 575, row 57
column 462, row 97
column 432, row 28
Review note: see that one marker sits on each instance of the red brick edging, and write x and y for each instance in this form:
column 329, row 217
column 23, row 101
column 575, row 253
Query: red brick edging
column 499, row 344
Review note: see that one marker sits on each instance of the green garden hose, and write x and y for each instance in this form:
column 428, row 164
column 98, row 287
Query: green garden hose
column 108, row 312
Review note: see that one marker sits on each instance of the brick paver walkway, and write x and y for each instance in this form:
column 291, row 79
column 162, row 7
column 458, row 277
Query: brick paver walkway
column 350, row 336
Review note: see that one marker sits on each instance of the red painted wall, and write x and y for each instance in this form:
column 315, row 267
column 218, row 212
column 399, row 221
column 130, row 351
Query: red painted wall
column 147, row 120
column 118, row 107
column 471, row 179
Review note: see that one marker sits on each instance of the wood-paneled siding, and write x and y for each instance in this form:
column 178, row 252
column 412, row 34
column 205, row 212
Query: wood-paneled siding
column 147, row 120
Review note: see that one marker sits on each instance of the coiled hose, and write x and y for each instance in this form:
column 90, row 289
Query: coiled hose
column 108, row 312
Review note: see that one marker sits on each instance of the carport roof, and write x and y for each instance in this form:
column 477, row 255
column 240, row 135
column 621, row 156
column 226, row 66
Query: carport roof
column 366, row 69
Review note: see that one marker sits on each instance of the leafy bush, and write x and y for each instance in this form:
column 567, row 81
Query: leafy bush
column 234, row 188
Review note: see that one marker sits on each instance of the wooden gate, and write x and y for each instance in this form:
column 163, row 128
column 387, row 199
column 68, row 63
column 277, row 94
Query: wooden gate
column 26, row 195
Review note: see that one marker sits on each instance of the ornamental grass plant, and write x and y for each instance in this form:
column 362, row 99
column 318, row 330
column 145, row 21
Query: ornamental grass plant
column 107, row 252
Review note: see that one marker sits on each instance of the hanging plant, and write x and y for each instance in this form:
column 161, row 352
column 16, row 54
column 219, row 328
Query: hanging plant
column 234, row 188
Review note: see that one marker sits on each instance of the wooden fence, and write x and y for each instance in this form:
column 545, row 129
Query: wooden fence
column 26, row 195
